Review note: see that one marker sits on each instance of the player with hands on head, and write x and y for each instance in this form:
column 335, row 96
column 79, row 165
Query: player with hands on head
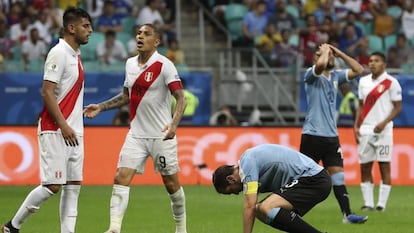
column 150, row 82
column 295, row 182
column 320, row 140
column 60, row 127
column 380, row 101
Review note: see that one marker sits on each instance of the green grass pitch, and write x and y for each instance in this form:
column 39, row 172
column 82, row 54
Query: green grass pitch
column 149, row 211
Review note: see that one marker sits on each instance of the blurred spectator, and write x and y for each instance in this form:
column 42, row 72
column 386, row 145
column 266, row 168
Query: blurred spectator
column 42, row 24
column 121, row 117
column 254, row 23
column 55, row 19
column 14, row 14
column 325, row 9
column 384, row 24
column 132, row 43
column 265, row 43
column 392, row 58
column 352, row 18
column 310, row 6
column 174, row 53
column 218, row 9
column 403, row 51
column 348, row 106
column 33, row 49
column 344, row 7
column 94, row 8
column 20, row 32
column 124, row 8
column 329, row 29
column 284, row 53
column 64, row 4
column 407, row 19
column 223, row 117
column 191, row 107
column 150, row 13
column 109, row 20
column 6, row 44
column 281, row 18
column 361, row 52
column 348, row 40
column 111, row 50
column 309, row 36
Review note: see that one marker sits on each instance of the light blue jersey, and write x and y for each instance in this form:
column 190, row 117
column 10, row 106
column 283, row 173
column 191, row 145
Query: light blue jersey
column 321, row 93
column 274, row 166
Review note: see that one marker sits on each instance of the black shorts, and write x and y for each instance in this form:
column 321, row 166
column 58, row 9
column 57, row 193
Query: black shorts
column 319, row 148
column 306, row 192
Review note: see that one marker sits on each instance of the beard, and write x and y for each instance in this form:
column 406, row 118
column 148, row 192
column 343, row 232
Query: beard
column 330, row 65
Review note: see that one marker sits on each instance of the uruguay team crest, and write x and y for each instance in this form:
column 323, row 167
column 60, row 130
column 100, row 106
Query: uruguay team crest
column 148, row 76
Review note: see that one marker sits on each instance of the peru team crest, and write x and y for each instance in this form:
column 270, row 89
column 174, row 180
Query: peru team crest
column 148, row 76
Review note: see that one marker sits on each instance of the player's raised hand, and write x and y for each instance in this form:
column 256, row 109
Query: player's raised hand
column 92, row 110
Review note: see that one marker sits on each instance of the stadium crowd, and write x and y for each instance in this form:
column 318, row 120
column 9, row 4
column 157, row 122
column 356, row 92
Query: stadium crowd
column 281, row 29
column 29, row 28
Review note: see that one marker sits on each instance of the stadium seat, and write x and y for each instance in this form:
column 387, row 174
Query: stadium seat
column 394, row 11
column 233, row 16
column 17, row 52
column 389, row 41
column 128, row 23
column 375, row 44
column 89, row 50
column 361, row 26
column 293, row 10
column 124, row 37
column 294, row 40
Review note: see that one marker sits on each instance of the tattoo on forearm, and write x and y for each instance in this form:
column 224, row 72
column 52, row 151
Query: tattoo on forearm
column 115, row 102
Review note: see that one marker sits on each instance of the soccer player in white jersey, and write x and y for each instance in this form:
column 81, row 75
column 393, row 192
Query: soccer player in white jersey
column 295, row 183
column 380, row 102
column 320, row 139
column 150, row 82
column 60, row 129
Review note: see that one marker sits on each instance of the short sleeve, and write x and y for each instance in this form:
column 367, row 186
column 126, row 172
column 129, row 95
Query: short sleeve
column 395, row 91
column 54, row 66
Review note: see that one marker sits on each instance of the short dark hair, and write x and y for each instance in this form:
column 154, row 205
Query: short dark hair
column 73, row 14
column 219, row 177
column 379, row 54
column 157, row 30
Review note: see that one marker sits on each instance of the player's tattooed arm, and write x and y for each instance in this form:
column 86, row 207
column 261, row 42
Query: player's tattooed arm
column 115, row 102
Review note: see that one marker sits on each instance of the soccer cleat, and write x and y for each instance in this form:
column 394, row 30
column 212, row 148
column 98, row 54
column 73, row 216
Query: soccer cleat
column 8, row 228
column 355, row 219
column 380, row 209
column 367, row 208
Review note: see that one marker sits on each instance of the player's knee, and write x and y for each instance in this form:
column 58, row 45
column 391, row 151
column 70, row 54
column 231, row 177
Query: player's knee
column 54, row 188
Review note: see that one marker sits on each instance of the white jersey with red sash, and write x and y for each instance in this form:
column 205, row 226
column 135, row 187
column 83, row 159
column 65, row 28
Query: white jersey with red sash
column 150, row 88
column 64, row 67
column 377, row 96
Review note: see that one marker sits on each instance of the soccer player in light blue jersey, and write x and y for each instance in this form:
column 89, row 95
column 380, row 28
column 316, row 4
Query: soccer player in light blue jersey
column 295, row 183
column 320, row 139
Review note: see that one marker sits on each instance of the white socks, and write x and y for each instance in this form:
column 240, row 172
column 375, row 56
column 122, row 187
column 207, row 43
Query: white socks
column 68, row 208
column 367, row 189
column 178, row 210
column 384, row 193
column 119, row 203
column 30, row 205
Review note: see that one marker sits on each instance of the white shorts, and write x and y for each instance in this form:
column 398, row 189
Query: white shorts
column 59, row 163
column 135, row 152
column 375, row 148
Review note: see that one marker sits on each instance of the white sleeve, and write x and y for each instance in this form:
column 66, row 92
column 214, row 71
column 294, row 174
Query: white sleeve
column 170, row 73
column 395, row 90
column 54, row 66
